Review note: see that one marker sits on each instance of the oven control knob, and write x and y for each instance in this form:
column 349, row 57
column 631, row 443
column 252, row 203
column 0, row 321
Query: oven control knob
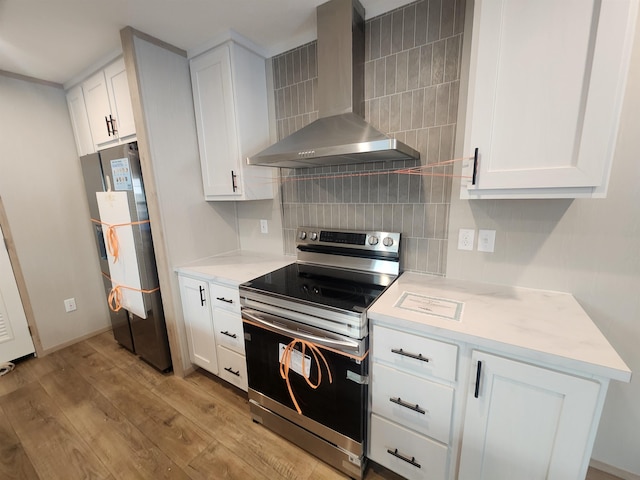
column 387, row 242
column 314, row 236
column 302, row 235
column 373, row 240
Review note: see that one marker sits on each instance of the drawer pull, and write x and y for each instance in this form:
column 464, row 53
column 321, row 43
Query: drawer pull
column 222, row 299
column 410, row 406
column 232, row 335
column 418, row 356
column 230, row 370
column 411, row 460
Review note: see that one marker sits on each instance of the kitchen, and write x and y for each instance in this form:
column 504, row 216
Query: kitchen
column 585, row 247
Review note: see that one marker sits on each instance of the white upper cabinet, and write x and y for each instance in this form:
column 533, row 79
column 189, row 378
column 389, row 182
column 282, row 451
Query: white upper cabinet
column 80, row 121
column 546, row 84
column 108, row 104
column 230, row 100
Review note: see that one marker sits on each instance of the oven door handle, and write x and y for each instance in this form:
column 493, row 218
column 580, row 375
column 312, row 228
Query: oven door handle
column 328, row 342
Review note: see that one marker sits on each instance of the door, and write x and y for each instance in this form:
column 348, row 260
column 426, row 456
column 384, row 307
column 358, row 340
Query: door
column 527, row 423
column 15, row 339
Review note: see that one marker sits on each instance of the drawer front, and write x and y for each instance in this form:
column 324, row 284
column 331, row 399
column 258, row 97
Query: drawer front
column 414, row 402
column 405, row 452
column 224, row 297
column 414, row 353
column 228, row 330
column 232, row 367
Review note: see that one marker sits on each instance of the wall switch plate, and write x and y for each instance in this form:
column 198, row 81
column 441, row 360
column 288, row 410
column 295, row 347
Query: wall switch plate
column 70, row 305
column 486, row 240
column 465, row 239
column 264, row 226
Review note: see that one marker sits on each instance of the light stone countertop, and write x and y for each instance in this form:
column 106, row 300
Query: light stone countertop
column 234, row 268
column 536, row 325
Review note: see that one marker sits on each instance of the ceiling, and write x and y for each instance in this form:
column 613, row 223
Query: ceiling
column 58, row 40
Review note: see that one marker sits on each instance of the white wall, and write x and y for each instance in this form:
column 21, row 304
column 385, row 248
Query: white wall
column 42, row 189
column 590, row 248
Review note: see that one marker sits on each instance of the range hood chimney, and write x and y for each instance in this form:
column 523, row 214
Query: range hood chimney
column 340, row 135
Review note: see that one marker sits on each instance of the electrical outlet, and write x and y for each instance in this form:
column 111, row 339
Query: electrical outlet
column 465, row 239
column 264, row 226
column 486, row 240
column 70, row 305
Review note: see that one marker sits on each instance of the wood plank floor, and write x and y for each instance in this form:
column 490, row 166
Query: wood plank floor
column 94, row 411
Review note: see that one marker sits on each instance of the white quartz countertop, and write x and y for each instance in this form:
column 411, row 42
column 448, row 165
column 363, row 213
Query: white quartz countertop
column 542, row 326
column 235, row 267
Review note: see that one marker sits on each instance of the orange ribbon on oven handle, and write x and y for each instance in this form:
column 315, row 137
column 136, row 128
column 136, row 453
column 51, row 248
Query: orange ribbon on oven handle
column 285, row 365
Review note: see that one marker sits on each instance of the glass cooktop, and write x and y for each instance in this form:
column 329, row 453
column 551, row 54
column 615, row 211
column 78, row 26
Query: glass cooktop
column 345, row 290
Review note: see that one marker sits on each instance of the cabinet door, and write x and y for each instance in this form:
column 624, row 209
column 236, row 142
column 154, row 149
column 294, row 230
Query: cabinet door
column 216, row 122
column 80, row 121
column 547, row 80
column 198, row 320
column 120, row 99
column 526, row 422
column 96, row 100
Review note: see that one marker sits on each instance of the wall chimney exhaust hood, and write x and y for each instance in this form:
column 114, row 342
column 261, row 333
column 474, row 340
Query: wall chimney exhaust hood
column 340, row 135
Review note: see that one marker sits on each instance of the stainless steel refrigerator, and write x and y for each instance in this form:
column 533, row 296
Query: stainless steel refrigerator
column 118, row 168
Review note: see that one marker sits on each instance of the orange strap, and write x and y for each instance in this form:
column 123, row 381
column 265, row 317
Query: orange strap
column 113, row 245
column 115, row 295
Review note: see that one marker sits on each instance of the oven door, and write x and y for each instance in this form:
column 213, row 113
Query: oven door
column 336, row 410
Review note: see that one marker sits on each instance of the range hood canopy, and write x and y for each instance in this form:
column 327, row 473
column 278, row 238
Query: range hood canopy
column 341, row 135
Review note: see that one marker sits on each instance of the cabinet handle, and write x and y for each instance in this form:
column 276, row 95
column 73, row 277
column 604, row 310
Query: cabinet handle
column 233, row 181
column 478, row 372
column 222, row 299
column 114, row 130
column 106, row 119
column 410, row 406
column 202, row 297
column 475, row 167
column 230, row 370
column 411, row 460
column 418, row 356
column 232, row 335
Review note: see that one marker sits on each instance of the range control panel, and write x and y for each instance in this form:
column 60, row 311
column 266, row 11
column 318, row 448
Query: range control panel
column 361, row 240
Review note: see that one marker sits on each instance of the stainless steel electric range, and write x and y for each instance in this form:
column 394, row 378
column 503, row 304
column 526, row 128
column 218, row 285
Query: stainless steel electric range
column 306, row 341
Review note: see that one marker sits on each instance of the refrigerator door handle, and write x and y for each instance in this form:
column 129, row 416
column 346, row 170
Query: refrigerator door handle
column 202, row 297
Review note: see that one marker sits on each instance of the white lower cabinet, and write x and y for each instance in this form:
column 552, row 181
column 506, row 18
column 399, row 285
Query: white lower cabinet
column 214, row 325
column 526, row 422
column 444, row 410
column 412, row 398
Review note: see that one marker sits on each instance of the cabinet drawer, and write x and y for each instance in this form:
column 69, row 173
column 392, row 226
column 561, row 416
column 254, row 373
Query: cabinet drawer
column 414, row 353
column 414, row 402
column 227, row 298
column 232, row 368
column 407, row 453
column 228, row 330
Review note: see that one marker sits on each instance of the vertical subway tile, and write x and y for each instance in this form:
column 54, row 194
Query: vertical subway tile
column 314, row 85
column 429, row 119
column 393, row 187
column 364, row 189
column 410, row 254
column 417, row 109
column 275, row 73
column 413, row 71
column 385, row 35
column 369, row 216
column 313, row 60
column 447, row 138
column 384, row 114
column 453, row 101
column 426, row 56
column 418, row 219
column 374, row 112
column 442, row 264
column 351, row 216
column 377, row 217
column 302, row 98
column 421, row 22
column 409, row 27
column 447, row 18
column 297, row 70
column 407, row 219
column 304, row 63
column 452, row 58
column 437, row 62
column 433, row 256
column 313, row 215
column 387, row 217
column 423, row 248
column 289, row 60
column 369, row 79
column 433, row 148
column 403, row 188
column 395, row 113
column 430, row 221
column 458, row 26
column 411, row 140
column 437, row 187
column 298, row 120
column 433, row 27
column 383, row 188
column 402, row 72
column 335, row 216
column 405, row 121
column 344, row 216
column 380, row 77
column 396, row 222
column 360, row 216
column 422, row 139
column 390, row 78
column 347, row 189
column 442, row 216
column 374, row 38
column 397, row 21
column 442, row 103
column 415, row 187
column 282, row 71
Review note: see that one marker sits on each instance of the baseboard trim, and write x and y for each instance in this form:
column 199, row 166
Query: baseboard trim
column 47, row 351
column 610, row 469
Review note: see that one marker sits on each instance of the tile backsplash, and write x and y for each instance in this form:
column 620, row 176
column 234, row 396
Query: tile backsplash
column 412, row 71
